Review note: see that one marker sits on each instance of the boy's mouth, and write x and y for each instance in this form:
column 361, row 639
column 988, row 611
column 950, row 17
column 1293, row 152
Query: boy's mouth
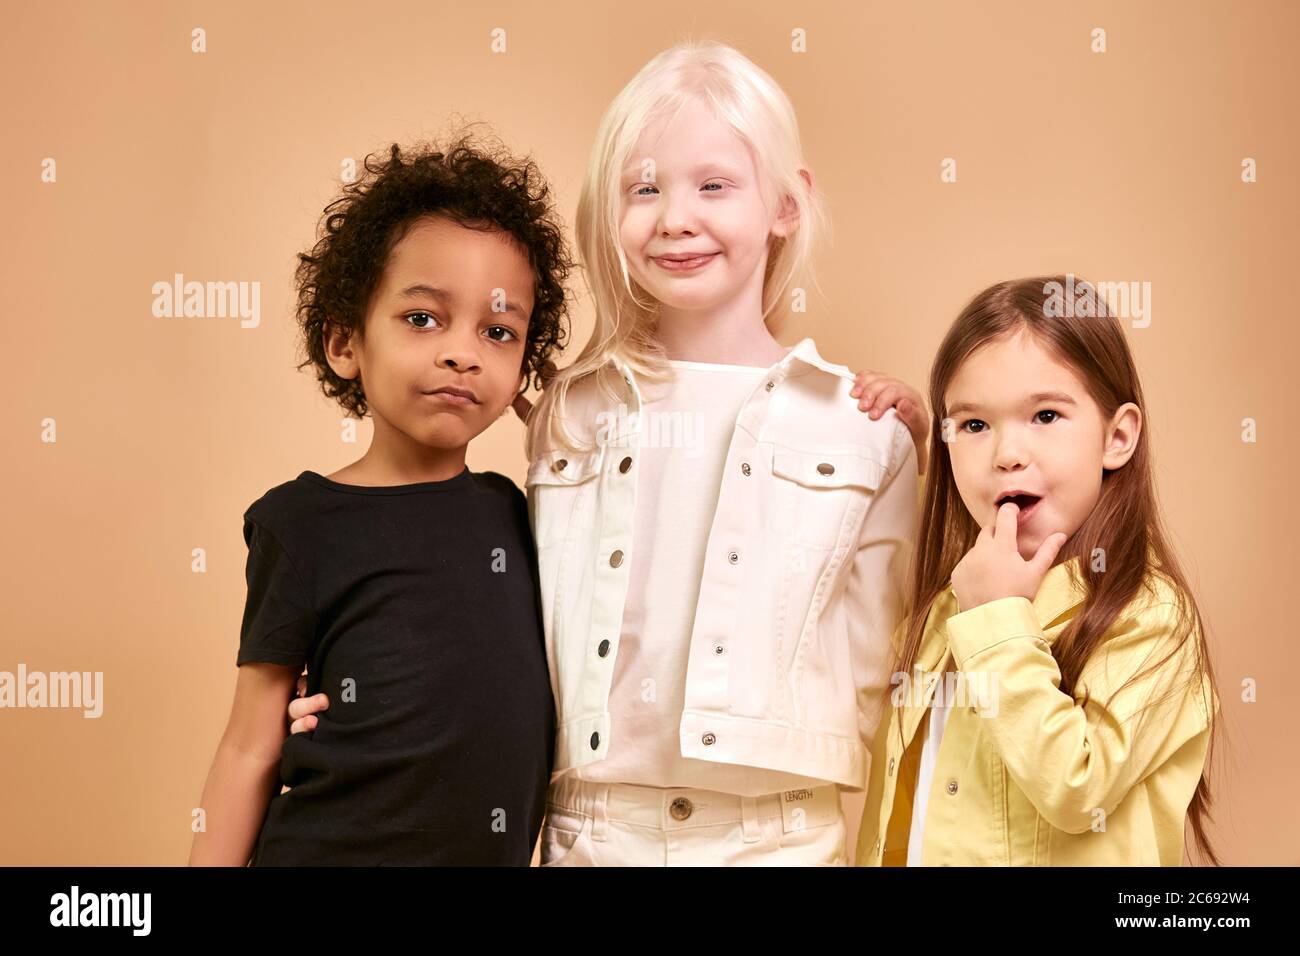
column 456, row 396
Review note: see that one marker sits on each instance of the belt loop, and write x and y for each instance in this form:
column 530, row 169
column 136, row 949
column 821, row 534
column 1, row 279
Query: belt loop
column 600, row 812
column 749, row 819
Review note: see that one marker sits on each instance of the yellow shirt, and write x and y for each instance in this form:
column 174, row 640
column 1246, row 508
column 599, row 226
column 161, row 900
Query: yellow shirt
column 1025, row 774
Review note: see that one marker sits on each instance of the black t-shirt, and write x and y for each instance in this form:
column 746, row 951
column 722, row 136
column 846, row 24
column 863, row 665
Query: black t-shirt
column 416, row 608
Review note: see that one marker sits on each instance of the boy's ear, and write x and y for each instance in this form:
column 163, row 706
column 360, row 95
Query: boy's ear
column 787, row 221
column 1122, row 436
column 340, row 351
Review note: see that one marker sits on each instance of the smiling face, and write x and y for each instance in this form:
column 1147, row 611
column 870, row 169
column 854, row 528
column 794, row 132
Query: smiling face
column 1023, row 421
column 433, row 330
column 693, row 225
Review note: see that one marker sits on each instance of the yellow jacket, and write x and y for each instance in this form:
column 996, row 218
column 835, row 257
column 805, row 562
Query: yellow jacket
column 1026, row 775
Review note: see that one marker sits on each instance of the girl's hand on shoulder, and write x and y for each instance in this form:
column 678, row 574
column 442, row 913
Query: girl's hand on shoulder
column 876, row 393
column 994, row 569
column 302, row 710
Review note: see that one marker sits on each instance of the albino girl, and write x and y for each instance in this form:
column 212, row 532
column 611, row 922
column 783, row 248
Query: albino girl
column 723, row 539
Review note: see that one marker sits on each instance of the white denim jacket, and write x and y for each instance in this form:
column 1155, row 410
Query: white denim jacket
column 790, row 653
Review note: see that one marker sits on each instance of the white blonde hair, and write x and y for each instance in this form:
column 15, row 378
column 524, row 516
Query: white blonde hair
column 745, row 98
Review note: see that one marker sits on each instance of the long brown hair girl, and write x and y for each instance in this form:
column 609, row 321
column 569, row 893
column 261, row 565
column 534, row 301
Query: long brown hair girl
column 1125, row 524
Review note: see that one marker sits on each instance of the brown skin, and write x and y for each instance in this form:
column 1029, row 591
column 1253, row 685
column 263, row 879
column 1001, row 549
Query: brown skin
column 245, row 767
column 414, row 342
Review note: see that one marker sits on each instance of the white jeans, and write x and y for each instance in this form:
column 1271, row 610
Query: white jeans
column 597, row 824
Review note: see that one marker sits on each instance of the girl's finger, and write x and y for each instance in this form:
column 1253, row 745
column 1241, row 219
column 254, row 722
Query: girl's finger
column 888, row 393
column 302, row 725
column 1047, row 552
column 912, row 416
column 860, row 381
column 1005, row 532
column 870, row 391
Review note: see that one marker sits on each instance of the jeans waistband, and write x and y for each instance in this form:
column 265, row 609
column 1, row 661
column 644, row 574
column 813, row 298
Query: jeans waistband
column 667, row 808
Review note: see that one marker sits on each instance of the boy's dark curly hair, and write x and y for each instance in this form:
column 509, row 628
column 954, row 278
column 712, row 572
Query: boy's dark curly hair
column 475, row 185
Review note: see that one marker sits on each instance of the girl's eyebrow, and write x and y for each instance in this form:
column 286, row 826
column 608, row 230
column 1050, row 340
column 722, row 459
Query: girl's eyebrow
column 1034, row 399
column 633, row 171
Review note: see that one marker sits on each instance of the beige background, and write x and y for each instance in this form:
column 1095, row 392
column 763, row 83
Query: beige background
column 1118, row 166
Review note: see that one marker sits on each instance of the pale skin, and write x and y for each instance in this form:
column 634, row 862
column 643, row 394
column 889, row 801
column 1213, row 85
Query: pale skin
column 1024, row 420
column 705, row 197
column 451, row 311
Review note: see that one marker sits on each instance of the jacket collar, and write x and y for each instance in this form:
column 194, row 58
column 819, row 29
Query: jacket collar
column 1058, row 594
column 802, row 351
column 805, row 351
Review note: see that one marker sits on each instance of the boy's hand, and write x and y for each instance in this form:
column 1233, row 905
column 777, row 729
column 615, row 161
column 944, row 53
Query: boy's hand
column 994, row 569
column 876, row 393
column 302, row 709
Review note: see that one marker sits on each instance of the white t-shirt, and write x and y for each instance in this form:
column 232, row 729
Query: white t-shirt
column 686, row 429
column 939, row 708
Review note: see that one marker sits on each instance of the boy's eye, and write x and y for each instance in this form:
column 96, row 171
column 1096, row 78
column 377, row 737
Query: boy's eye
column 1047, row 411
column 502, row 328
column 414, row 318
column 719, row 185
column 971, row 421
column 636, row 190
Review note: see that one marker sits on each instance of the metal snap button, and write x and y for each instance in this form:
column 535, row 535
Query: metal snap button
column 681, row 808
column 625, row 464
column 733, row 557
column 771, row 385
column 709, row 740
column 603, row 649
column 826, row 468
column 616, row 559
column 744, row 468
column 560, row 464
column 952, row 786
column 719, row 650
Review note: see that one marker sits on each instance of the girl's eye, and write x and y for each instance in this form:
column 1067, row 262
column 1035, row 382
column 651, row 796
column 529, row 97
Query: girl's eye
column 636, row 191
column 502, row 328
column 1047, row 411
column 971, row 421
column 719, row 185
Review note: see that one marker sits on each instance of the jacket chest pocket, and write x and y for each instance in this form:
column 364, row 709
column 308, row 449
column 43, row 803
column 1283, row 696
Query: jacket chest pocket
column 817, row 498
column 561, row 488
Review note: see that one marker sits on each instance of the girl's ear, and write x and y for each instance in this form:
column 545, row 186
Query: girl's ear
column 341, row 351
column 1121, row 436
column 787, row 220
